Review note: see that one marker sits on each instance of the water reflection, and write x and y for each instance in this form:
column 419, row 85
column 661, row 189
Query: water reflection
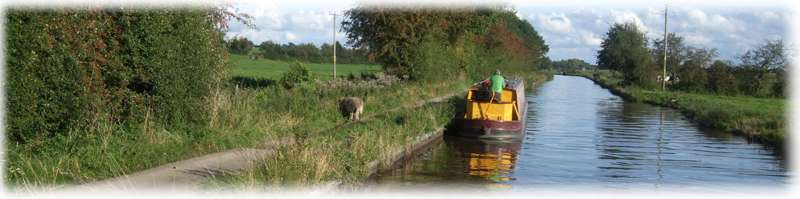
column 492, row 160
column 474, row 163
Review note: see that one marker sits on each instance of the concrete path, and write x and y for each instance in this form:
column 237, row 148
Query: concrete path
column 188, row 173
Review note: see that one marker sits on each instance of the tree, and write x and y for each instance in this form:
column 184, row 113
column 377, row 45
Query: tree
column 572, row 65
column 675, row 53
column 624, row 49
column 240, row 45
column 692, row 74
column 272, row 50
column 767, row 58
column 415, row 42
column 779, row 86
column 720, row 79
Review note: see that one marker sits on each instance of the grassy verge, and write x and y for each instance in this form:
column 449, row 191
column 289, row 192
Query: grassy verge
column 328, row 147
column 343, row 154
column 273, row 69
column 760, row 119
column 244, row 118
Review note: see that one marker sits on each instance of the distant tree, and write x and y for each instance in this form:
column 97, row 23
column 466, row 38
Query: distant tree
column 572, row 65
column 240, row 45
column 326, row 54
column 720, row 78
column 255, row 53
column 624, row 49
column 769, row 57
column 272, row 50
column 779, row 86
column 545, row 64
column 692, row 73
column 675, row 54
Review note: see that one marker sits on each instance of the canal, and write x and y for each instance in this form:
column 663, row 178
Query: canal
column 580, row 135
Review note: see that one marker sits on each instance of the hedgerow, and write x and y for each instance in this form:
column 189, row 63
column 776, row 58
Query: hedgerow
column 72, row 71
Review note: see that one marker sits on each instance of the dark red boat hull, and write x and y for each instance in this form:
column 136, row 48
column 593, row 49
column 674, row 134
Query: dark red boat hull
column 491, row 129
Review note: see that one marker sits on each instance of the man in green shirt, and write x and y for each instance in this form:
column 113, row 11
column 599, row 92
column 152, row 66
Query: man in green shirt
column 498, row 82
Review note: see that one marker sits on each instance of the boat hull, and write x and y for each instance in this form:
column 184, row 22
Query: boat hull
column 490, row 129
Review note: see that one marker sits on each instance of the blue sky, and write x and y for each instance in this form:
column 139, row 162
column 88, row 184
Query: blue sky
column 571, row 29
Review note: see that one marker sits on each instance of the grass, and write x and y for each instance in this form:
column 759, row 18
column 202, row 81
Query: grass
column 761, row 119
column 342, row 154
column 273, row 69
column 245, row 118
column 327, row 147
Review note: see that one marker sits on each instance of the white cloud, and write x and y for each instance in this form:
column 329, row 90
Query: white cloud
column 556, row 22
column 628, row 16
column 730, row 31
column 696, row 40
column 290, row 37
column 591, row 39
column 277, row 23
column 311, row 21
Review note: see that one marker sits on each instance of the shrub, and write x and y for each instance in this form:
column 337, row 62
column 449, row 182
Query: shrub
column 720, row 79
column 73, row 71
column 297, row 74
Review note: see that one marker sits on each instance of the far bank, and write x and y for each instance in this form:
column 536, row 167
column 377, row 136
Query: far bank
column 758, row 119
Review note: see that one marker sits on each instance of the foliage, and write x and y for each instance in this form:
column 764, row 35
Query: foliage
column 779, row 85
column 297, row 74
column 624, row 48
column 675, row 54
column 423, row 43
column 239, row 45
column 761, row 119
column 720, row 79
column 758, row 62
column 72, row 71
column 760, row 73
column 692, row 72
column 308, row 52
column 572, row 65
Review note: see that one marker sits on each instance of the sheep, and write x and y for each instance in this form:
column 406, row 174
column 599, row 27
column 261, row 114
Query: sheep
column 351, row 108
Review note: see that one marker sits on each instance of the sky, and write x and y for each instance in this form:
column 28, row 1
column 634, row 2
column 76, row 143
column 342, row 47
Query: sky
column 570, row 29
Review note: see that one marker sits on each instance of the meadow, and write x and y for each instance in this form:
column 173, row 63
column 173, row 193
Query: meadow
column 273, row 69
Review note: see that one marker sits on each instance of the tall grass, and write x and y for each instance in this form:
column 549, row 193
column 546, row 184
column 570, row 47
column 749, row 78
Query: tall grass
column 244, row 118
column 343, row 153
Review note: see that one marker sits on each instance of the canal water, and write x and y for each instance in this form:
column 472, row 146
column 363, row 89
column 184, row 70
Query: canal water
column 580, row 135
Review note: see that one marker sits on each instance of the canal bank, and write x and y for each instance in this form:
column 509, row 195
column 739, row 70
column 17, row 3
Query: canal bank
column 760, row 120
column 581, row 135
column 348, row 154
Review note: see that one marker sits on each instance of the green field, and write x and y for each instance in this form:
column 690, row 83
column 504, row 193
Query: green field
column 273, row 69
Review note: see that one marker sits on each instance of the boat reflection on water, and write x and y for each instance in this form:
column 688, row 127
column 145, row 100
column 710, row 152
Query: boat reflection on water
column 492, row 160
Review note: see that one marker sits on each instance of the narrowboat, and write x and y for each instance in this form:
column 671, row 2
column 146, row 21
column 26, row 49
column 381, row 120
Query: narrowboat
column 494, row 117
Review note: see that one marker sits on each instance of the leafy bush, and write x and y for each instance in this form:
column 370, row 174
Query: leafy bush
column 720, row 79
column 297, row 74
column 75, row 71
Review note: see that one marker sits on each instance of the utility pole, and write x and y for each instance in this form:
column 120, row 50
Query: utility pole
column 666, row 44
column 334, row 45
